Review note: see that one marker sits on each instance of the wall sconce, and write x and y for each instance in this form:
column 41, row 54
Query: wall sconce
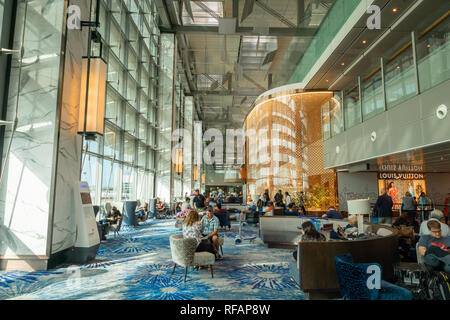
column 203, row 178
column 179, row 161
column 92, row 100
column 195, row 173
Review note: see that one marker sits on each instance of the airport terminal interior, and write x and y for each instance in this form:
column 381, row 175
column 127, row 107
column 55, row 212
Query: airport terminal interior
column 224, row 150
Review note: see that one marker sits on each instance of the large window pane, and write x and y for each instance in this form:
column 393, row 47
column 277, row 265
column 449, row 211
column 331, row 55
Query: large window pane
column 337, row 115
column 89, row 174
column 128, row 183
column 400, row 78
column 113, row 110
column 110, row 181
column 326, row 134
column 372, row 96
column 352, row 108
column 111, row 143
column 129, row 149
column 433, row 54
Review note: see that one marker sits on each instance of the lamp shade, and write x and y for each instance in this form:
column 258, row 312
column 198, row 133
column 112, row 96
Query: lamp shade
column 195, row 173
column 91, row 118
column 360, row 206
column 203, row 178
column 179, row 161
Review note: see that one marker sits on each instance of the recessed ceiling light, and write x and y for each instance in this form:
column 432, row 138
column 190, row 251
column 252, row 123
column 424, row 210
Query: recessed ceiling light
column 394, row 10
column 342, row 64
column 326, row 80
column 398, row 67
column 428, row 45
column 364, row 41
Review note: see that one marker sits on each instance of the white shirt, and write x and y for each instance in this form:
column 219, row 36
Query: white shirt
column 186, row 205
column 424, row 228
column 288, row 200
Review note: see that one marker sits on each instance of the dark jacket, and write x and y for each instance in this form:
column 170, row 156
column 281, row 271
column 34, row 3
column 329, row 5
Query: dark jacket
column 383, row 206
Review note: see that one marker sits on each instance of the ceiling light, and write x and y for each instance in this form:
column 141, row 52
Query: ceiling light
column 394, row 10
column 428, row 45
column 342, row 64
column 364, row 41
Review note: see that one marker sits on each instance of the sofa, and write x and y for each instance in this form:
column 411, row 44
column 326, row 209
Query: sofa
column 314, row 270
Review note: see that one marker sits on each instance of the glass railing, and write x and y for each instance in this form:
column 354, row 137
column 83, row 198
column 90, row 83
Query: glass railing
column 330, row 26
column 399, row 82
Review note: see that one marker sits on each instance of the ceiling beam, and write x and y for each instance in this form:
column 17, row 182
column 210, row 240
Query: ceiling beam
column 293, row 32
column 247, row 93
column 275, row 14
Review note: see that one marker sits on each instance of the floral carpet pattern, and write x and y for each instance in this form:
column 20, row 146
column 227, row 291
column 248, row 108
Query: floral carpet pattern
column 137, row 265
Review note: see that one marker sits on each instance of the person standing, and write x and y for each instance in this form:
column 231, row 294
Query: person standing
column 266, row 197
column 279, row 199
column 288, row 199
column 424, row 203
column 199, row 200
column 301, row 203
column 408, row 206
column 384, row 206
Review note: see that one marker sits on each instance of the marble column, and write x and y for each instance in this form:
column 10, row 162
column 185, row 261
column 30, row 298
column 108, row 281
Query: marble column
column 44, row 160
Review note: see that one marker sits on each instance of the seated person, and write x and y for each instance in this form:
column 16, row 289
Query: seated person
column 111, row 218
column 192, row 228
column 436, row 215
column 291, row 211
column 186, row 204
column 332, row 213
column 406, row 220
column 210, row 231
column 141, row 212
column 435, row 248
column 159, row 205
column 222, row 215
column 349, row 231
column 179, row 207
column 309, row 233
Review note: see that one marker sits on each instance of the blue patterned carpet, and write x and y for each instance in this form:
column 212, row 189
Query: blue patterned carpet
column 137, row 265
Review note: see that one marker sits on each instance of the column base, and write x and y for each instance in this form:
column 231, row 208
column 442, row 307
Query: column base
column 24, row 263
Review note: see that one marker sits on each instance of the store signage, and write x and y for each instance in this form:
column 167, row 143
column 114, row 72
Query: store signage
column 400, row 168
column 401, row 176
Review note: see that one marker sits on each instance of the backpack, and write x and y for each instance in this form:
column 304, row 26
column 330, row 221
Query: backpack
column 438, row 285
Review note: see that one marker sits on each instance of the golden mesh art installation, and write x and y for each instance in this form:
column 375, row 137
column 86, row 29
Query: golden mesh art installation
column 284, row 148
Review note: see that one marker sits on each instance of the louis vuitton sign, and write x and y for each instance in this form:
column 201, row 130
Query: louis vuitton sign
column 401, row 176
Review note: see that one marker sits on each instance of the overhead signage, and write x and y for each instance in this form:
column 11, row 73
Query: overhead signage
column 401, row 168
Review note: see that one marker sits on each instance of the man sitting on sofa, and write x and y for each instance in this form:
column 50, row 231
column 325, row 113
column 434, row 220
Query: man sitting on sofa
column 435, row 248
column 332, row 213
column 349, row 231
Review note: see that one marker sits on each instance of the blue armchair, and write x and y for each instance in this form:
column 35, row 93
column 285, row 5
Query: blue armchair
column 352, row 278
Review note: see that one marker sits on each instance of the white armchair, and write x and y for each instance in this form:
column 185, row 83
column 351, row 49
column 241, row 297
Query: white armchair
column 183, row 254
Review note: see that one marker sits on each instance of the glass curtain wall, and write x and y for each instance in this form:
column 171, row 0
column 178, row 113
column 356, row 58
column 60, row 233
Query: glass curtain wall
column 120, row 165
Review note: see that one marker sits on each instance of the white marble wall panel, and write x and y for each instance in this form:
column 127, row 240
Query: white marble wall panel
column 69, row 148
column 26, row 189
